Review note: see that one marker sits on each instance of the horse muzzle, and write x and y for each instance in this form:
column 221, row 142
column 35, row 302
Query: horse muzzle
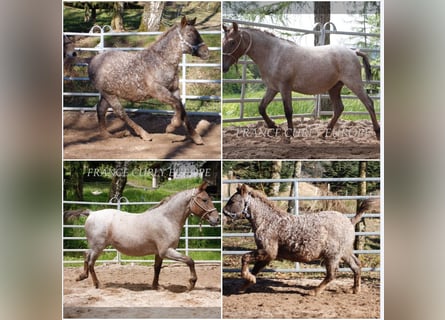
column 213, row 221
column 201, row 50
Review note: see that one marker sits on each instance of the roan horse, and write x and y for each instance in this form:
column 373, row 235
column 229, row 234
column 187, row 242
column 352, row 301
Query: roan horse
column 155, row 231
column 151, row 73
column 327, row 235
column 286, row 67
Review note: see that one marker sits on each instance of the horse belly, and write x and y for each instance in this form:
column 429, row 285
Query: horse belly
column 134, row 247
column 296, row 255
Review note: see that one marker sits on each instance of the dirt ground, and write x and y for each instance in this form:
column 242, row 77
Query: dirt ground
column 350, row 140
column 126, row 292
column 81, row 138
column 286, row 296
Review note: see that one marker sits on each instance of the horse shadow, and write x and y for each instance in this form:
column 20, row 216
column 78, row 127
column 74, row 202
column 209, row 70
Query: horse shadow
column 152, row 123
column 232, row 287
column 173, row 288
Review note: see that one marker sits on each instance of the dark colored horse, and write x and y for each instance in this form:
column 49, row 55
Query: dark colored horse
column 286, row 67
column 155, row 231
column 327, row 235
column 151, row 73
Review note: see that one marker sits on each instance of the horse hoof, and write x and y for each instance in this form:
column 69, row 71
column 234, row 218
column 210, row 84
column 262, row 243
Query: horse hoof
column 170, row 128
column 81, row 277
column 197, row 139
column 312, row 292
column 105, row 134
column 377, row 134
column 191, row 285
column 145, row 136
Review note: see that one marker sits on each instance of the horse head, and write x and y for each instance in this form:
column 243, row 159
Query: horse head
column 234, row 45
column 238, row 206
column 191, row 40
column 202, row 206
column 69, row 50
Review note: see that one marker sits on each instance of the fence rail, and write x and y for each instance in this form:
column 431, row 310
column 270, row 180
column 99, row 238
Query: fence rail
column 296, row 197
column 187, row 249
column 317, row 112
column 183, row 80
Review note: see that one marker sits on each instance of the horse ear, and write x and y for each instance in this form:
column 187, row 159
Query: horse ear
column 183, row 21
column 203, row 186
column 235, row 26
column 192, row 22
column 224, row 28
column 244, row 189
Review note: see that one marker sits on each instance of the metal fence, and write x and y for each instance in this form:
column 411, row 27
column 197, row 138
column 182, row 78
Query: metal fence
column 187, row 249
column 106, row 31
column 317, row 112
column 296, row 197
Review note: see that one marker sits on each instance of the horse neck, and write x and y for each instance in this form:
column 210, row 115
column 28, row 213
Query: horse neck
column 259, row 42
column 169, row 46
column 261, row 213
column 177, row 207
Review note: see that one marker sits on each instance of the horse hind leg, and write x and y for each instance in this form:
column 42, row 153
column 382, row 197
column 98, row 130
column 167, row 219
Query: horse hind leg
column 84, row 274
column 354, row 264
column 102, row 108
column 120, row 112
column 360, row 92
column 88, row 265
column 334, row 94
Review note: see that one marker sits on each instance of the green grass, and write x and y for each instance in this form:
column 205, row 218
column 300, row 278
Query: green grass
column 232, row 110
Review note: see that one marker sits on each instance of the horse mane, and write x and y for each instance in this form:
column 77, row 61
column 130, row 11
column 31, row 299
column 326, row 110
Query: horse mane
column 165, row 200
column 272, row 205
column 270, row 34
column 166, row 33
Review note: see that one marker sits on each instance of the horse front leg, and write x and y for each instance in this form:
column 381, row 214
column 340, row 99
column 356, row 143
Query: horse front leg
column 268, row 97
column 175, row 255
column 331, row 270
column 261, row 259
column 157, row 266
column 180, row 117
column 286, row 95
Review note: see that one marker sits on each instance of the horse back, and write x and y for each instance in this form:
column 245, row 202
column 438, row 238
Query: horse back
column 308, row 237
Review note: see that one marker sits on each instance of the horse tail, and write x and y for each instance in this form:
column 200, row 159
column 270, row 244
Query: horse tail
column 362, row 208
column 366, row 63
column 75, row 213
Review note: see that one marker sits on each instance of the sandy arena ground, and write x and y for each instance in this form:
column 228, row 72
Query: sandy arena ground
column 350, row 140
column 285, row 296
column 81, row 138
column 126, row 292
